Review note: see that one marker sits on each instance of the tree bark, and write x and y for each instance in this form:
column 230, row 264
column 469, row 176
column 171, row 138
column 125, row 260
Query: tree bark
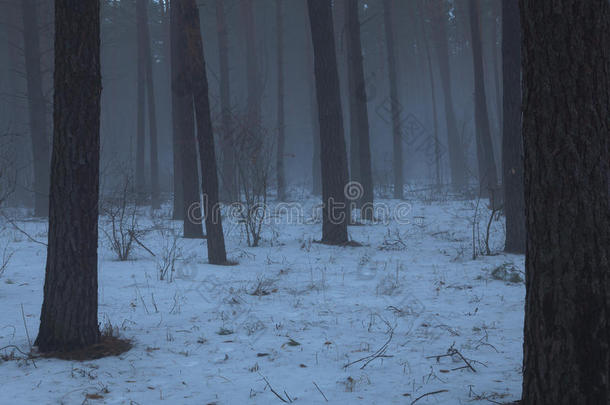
column 68, row 318
column 281, row 136
column 205, row 137
column 566, row 100
column 397, row 160
column 141, row 104
column 359, row 127
column 512, row 141
column 37, row 108
column 183, row 120
column 332, row 141
column 488, row 177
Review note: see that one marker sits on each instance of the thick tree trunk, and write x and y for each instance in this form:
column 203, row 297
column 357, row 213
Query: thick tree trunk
column 359, row 127
column 332, row 141
column 141, row 104
column 183, row 119
column 512, row 141
column 281, row 136
column 488, row 177
column 397, row 160
column 37, row 109
column 566, row 124
column 457, row 161
column 205, row 137
column 68, row 318
column 229, row 187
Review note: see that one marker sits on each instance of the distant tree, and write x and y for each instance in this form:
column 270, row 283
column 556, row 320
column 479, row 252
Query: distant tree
column 488, row 177
column 512, row 141
column 183, row 119
column 68, row 318
column 205, row 137
column 37, row 107
column 566, row 98
column 315, row 122
column 140, row 103
column 397, row 160
column 359, row 127
column 281, row 136
column 332, row 141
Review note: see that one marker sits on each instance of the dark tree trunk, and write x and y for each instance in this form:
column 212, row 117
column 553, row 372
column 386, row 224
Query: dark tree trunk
column 68, row 318
column 332, row 141
column 281, row 137
column 205, row 137
column 229, row 187
column 359, row 127
column 457, row 161
column 141, row 104
column 183, row 119
column 566, row 100
column 37, row 109
column 315, row 124
column 512, row 141
column 496, row 54
column 488, row 177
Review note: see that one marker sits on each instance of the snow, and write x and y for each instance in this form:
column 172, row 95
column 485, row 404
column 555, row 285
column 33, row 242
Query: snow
column 206, row 339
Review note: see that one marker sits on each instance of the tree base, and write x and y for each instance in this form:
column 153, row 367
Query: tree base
column 107, row 347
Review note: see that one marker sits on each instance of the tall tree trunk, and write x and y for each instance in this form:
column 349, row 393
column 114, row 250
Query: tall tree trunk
column 332, row 141
column 228, row 191
column 183, row 119
column 457, row 160
column 315, row 123
column 178, row 212
column 488, row 177
column 68, row 318
column 141, row 104
column 37, row 110
column 496, row 55
column 281, row 136
column 252, row 73
column 150, row 92
column 512, row 141
column 397, row 160
column 566, row 124
column 205, row 137
column 359, row 127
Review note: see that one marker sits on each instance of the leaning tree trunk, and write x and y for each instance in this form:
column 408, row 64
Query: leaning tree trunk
column 281, row 136
column 512, row 141
column 457, row 160
column 359, row 127
column 37, row 109
column 397, row 163
column 68, row 318
column 141, row 104
column 205, row 137
column 332, row 141
column 566, row 100
column 183, row 121
column 488, row 177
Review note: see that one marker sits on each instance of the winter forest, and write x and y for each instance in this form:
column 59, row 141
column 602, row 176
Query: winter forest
column 305, row 201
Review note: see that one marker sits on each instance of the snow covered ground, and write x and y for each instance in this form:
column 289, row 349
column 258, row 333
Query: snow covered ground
column 315, row 323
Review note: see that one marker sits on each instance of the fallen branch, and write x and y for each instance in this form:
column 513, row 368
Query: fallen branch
column 281, row 398
column 427, row 394
column 314, row 383
column 380, row 353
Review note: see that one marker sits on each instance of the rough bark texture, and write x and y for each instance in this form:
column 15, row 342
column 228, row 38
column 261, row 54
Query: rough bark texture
column 488, row 175
column 566, row 91
column 68, row 318
column 457, row 161
column 141, row 104
column 332, row 141
column 512, row 141
column 281, row 136
column 205, row 137
column 397, row 161
column 183, row 119
column 37, row 108
column 359, row 128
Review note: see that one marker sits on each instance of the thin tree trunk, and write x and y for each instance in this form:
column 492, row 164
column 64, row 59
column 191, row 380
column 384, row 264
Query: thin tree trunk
column 229, row 187
column 488, row 177
column 359, row 128
column 315, row 124
column 68, row 318
column 183, row 119
column 566, row 124
column 252, row 73
column 512, row 141
column 205, row 137
column 37, row 109
column 141, row 104
column 332, row 141
column 397, row 160
column 281, row 137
